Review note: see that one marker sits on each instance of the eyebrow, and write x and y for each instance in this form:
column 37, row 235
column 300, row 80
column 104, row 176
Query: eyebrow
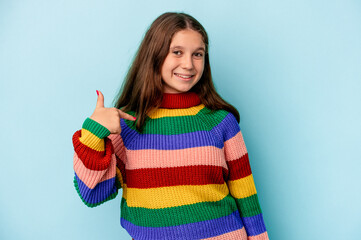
column 200, row 48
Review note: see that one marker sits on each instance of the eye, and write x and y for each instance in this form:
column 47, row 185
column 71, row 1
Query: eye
column 198, row 54
column 177, row 52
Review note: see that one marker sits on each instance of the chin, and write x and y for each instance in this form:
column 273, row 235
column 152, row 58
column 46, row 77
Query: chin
column 184, row 90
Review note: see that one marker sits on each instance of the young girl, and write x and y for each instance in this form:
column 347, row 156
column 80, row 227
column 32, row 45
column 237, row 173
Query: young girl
column 183, row 164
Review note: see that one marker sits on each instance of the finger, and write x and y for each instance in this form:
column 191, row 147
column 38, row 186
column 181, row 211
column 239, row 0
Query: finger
column 126, row 116
column 100, row 100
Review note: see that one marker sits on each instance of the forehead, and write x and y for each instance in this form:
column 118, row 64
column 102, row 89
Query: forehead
column 187, row 38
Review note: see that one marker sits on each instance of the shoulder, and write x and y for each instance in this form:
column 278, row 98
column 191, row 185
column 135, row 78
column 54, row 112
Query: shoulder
column 220, row 117
column 220, row 122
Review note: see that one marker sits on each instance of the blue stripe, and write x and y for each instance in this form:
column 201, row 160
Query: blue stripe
column 229, row 127
column 168, row 142
column 198, row 230
column 101, row 191
column 254, row 225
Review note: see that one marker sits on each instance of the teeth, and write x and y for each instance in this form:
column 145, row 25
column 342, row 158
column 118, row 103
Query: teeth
column 184, row 76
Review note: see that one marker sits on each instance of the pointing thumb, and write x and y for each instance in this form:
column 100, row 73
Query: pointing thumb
column 100, row 100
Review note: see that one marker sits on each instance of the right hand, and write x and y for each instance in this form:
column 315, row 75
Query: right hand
column 109, row 117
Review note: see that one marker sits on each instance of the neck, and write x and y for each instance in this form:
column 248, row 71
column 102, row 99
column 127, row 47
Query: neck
column 180, row 100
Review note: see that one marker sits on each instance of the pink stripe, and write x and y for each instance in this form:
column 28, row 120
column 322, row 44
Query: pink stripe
column 92, row 177
column 118, row 145
column 263, row 236
column 238, row 234
column 234, row 148
column 151, row 158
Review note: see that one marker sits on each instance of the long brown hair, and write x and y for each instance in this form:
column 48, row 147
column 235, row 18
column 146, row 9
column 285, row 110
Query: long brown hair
column 142, row 92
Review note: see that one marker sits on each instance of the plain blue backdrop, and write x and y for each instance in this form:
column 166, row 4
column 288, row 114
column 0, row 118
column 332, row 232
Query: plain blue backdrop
column 291, row 68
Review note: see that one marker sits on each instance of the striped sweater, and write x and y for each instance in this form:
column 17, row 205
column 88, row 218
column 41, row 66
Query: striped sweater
column 186, row 176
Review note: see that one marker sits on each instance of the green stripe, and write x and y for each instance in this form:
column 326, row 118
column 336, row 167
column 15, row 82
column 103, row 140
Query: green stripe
column 174, row 216
column 117, row 182
column 204, row 120
column 96, row 128
column 249, row 206
column 93, row 204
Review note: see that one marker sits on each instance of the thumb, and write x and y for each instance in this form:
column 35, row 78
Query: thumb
column 100, row 100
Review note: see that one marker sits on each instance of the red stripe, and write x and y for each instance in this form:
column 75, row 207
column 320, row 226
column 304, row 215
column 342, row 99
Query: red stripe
column 183, row 100
column 121, row 167
column 163, row 177
column 239, row 168
column 92, row 159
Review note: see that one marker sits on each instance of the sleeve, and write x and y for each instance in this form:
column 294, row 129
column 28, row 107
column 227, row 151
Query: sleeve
column 97, row 173
column 240, row 180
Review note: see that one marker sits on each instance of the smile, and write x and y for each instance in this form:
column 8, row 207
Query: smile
column 184, row 77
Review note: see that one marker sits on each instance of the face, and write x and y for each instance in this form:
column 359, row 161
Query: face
column 184, row 64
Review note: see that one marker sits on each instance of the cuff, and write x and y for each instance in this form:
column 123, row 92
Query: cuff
column 96, row 128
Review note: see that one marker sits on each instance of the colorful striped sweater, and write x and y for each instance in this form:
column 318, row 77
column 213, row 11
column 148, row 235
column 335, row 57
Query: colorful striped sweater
column 186, row 176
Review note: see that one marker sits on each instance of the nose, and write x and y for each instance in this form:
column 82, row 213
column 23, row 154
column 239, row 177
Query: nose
column 187, row 62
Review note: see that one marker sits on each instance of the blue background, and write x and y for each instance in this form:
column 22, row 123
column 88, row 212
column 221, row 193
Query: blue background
column 291, row 68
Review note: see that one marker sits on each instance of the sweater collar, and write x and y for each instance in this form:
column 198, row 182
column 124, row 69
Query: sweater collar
column 180, row 100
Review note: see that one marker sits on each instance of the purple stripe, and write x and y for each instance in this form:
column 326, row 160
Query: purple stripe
column 170, row 142
column 254, row 225
column 101, row 191
column 198, row 230
column 180, row 141
column 229, row 127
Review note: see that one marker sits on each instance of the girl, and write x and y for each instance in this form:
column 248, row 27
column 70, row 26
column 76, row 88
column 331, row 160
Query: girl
column 183, row 164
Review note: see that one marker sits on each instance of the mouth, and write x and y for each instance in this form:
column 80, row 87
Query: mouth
column 184, row 76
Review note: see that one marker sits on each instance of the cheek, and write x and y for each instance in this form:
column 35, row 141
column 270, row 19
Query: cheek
column 164, row 71
column 200, row 67
column 168, row 67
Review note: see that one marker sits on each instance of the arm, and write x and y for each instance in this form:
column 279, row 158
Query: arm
column 97, row 177
column 240, row 181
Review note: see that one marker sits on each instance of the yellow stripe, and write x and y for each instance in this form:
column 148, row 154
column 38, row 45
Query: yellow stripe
column 243, row 187
column 162, row 112
column 163, row 197
column 92, row 141
column 119, row 175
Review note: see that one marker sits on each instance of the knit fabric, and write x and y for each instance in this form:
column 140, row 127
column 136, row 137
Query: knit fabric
column 187, row 176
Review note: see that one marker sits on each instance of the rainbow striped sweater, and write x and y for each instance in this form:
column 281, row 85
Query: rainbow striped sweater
column 186, row 176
